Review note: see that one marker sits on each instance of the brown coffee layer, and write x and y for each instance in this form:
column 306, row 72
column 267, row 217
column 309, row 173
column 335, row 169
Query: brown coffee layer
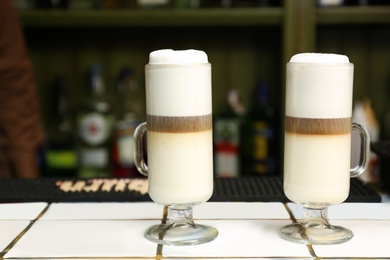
column 179, row 124
column 318, row 126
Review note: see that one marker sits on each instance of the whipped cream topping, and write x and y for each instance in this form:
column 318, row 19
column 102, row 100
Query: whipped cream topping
column 168, row 56
column 319, row 58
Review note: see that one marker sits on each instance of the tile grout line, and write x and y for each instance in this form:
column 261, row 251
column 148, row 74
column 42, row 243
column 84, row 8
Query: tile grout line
column 159, row 250
column 22, row 233
column 294, row 220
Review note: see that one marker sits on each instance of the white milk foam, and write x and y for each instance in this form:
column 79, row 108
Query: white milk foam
column 178, row 83
column 182, row 168
column 319, row 58
column 319, row 86
column 168, row 56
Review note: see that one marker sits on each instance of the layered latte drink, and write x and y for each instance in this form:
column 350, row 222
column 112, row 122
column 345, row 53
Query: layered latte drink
column 179, row 127
column 318, row 129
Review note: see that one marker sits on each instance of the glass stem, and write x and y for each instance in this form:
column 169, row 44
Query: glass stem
column 180, row 214
column 315, row 216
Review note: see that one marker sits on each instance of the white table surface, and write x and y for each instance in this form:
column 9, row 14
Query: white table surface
column 373, row 211
column 246, row 230
column 16, row 217
column 371, row 239
column 104, row 210
column 21, row 211
column 9, row 230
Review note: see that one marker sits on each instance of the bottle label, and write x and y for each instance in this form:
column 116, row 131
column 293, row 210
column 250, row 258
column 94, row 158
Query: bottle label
column 94, row 129
column 260, row 140
column 125, row 145
column 227, row 143
column 97, row 158
column 262, row 161
column 61, row 159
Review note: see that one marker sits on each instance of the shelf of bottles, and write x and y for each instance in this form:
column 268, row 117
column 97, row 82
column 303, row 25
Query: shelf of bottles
column 96, row 139
column 245, row 143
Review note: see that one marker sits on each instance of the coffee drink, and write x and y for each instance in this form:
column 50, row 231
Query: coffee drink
column 179, row 127
column 317, row 149
column 318, row 129
column 179, row 166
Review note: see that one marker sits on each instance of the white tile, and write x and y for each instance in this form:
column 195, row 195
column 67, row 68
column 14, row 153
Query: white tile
column 82, row 238
column 103, row 210
column 241, row 210
column 21, row 211
column 242, row 238
column 371, row 239
column 9, row 230
column 379, row 211
column 296, row 210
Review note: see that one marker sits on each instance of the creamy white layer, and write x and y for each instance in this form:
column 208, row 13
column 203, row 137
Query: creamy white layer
column 178, row 90
column 317, row 168
column 319, row 88
column 180, row 167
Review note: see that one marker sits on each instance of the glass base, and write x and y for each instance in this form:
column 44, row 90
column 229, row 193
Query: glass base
column 315, row 229
column 180, row 229
column 315, row 235
column 181, row 234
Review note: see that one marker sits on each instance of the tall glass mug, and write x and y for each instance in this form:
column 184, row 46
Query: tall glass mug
column 317, row 147
column 179, row 143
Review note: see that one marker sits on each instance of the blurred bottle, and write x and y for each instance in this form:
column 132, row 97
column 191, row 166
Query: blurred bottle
column 94, row 122
column 228, row 137
column 153, row 3
column 129, row 114
column 59, row 148
column 263, row 129
column 328, row 3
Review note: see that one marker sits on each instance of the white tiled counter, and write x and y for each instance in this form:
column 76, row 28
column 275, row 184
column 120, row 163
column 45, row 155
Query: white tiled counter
column 15, row 218
column 370, row 223
column 246, row 230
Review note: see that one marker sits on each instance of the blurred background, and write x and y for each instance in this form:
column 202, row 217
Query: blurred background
column 88, row 59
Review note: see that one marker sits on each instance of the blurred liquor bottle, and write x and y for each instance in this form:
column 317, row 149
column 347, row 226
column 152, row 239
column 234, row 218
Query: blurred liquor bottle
column 263, row 134
column 228, row 137
column 94, row 121
column 153, row 3
column 129, row 113
column 59, row 147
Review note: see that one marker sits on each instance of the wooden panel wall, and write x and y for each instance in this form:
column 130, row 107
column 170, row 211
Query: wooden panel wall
column 240, row 56
column 368, row 47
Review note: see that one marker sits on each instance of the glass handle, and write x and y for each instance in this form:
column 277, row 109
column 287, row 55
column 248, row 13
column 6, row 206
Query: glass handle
column 139, row 159
column 364, row 150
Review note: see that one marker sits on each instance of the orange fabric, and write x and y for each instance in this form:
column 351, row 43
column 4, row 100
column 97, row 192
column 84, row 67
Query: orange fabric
column 20, row 128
